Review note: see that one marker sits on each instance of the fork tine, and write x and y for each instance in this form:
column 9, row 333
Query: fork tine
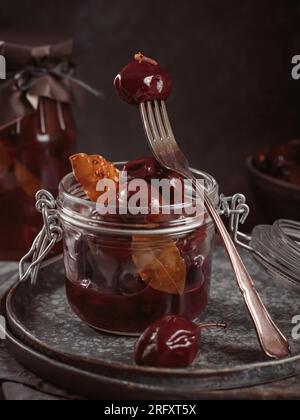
column 166, row 120
column 145, row 122
column 162, row 144
column 163, row 147
column 163, row 132
column 155, row 143
column 152, row 120
column 171, row 145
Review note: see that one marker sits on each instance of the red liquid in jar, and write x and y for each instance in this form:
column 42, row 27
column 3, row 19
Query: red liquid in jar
column 128, row 305
column 33, row 156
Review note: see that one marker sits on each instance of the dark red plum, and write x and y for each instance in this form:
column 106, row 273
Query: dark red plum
column 171, row 342
column 143, row 80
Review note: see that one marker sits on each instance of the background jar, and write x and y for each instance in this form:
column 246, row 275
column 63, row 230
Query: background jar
column 103, row 284
column 34, row 154
column 37, row 136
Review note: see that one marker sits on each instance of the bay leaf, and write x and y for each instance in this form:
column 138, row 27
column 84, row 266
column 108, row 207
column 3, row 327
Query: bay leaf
column 159, row 263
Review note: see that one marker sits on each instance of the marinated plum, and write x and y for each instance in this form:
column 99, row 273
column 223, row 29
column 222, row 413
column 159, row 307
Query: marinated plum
column 171, row 342
column 145, row 168
column 143, row 80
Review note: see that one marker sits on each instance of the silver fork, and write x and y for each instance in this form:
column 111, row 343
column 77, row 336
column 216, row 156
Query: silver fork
column 166, row 150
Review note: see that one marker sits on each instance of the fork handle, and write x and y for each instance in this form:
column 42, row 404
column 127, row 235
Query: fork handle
column 271, row 339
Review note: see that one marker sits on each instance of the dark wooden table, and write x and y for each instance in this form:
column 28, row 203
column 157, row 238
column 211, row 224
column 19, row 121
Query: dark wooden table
column 17, row 383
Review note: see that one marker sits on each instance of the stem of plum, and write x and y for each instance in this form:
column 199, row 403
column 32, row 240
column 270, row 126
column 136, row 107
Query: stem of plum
column 213, row 325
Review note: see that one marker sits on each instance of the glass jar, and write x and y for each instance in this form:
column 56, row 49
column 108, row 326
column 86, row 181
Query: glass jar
column 34, row 154
column 104, row 286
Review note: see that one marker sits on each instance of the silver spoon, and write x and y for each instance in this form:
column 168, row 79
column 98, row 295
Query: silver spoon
column 166, row 150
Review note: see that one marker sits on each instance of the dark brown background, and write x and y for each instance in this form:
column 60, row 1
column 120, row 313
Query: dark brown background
column 230, row 61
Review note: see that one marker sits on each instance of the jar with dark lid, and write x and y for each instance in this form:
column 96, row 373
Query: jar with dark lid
column 37, row 135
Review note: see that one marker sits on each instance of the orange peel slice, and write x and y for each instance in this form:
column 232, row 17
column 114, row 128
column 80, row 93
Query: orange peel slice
column 90, row 169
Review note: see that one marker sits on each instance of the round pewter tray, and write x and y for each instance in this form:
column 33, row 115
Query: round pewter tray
column 39, row 317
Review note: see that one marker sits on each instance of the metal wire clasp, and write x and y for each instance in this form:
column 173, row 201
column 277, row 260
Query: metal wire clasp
column 236, row 209
column 50, row 234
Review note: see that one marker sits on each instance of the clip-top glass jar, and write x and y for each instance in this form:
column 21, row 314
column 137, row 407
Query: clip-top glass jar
column 103, row 285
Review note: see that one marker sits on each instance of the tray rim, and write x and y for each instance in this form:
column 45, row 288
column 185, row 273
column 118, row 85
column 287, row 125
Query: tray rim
column 196, row 373
column 15, row 345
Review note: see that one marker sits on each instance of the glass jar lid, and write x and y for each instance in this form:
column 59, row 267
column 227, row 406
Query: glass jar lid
column 277, row 248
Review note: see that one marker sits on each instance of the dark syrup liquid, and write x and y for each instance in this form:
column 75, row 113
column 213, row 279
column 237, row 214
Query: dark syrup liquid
column 132, row 313
column 31, row 160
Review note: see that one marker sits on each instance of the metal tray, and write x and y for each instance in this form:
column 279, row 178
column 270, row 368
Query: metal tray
column 41, row 322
